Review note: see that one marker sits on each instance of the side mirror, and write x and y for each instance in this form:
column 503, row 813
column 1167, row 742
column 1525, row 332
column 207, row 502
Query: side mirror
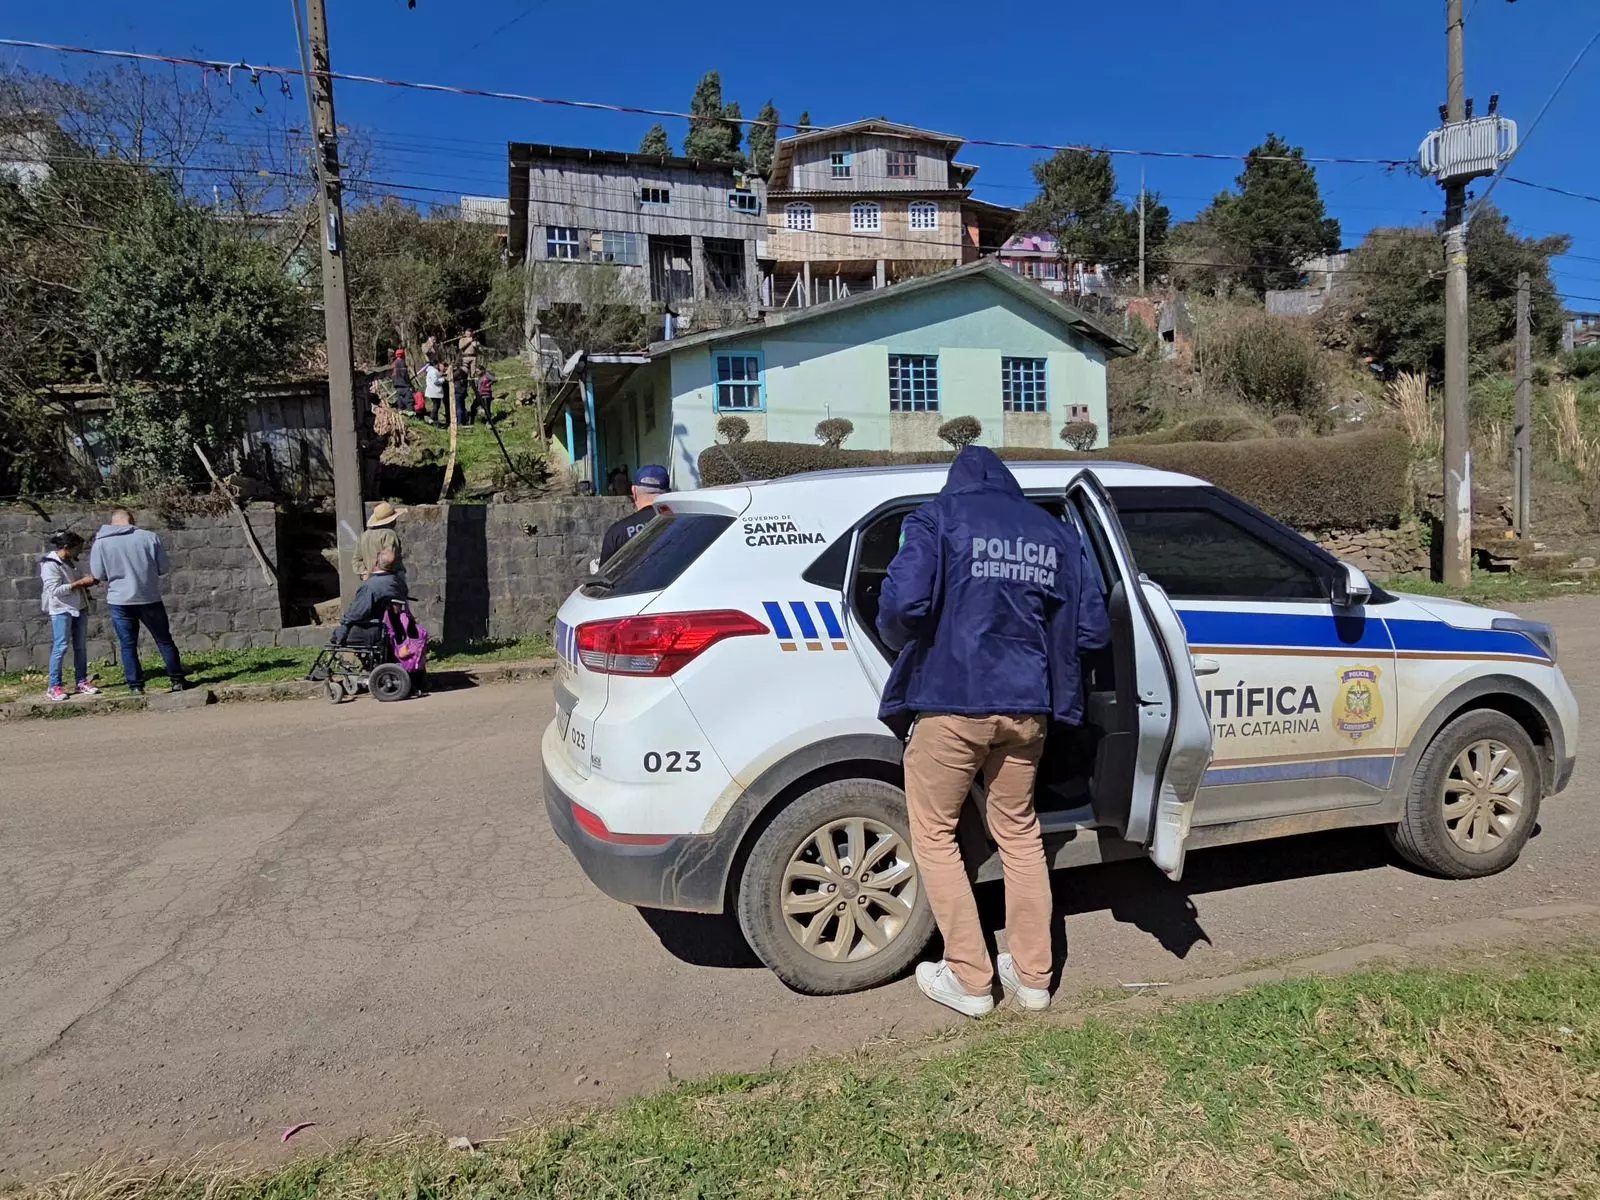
column 1351, row 587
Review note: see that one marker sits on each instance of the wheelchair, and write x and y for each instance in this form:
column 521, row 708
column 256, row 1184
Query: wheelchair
column 385, row 660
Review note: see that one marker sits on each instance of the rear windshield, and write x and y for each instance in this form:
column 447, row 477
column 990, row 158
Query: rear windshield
column 657, row 554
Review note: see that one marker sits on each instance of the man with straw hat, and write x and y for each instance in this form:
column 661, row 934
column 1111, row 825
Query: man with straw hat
column 380, row 535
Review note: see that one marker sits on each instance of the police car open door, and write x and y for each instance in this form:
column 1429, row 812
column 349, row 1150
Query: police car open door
column 1173, row 733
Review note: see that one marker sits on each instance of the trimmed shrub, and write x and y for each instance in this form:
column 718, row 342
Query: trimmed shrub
column 1080, row 435
column 1349, row 481
column 961, row 432
column 833, row 431
column 735, row 429
column 1221, row 428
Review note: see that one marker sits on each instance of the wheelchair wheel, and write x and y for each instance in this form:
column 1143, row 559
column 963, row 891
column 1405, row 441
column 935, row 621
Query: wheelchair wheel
column 334, row 690
column 389, row 681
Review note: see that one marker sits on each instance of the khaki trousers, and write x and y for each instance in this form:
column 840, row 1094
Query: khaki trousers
column 945, row 755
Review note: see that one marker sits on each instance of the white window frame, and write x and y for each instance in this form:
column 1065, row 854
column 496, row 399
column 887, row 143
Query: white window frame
column 1024, row 384
column 799, row 217
column 922, row 216
column 866, row 216
column 561, row 243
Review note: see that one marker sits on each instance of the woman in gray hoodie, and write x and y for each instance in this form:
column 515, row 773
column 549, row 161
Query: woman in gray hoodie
column 63, row 600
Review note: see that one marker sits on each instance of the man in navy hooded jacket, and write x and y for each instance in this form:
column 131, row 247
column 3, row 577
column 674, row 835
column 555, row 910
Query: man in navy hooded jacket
column 989, row 603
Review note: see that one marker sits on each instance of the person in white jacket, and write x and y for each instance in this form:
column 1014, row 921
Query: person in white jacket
column 62, row 599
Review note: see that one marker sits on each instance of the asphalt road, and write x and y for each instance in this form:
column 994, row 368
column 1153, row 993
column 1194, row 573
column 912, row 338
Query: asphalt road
column 215, row 924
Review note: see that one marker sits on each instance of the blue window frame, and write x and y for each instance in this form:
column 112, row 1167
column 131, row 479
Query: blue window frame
column 841, row 162
column 740, row 383
column 1022, row 385
column 913, row 383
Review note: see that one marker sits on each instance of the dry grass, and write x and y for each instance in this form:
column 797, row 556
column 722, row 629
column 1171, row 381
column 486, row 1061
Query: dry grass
column 1483, row 1085
column 1407, row 397
column 1572, row 444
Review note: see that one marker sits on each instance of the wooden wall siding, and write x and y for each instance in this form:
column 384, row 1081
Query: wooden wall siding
column 834, row 240
column 813, row 168
column 606, row 197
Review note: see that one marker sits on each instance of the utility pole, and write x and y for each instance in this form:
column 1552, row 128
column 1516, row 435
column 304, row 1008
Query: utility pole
column 1522, row 455
column 1141, row 229
column 1457, row 445
column 348, row 503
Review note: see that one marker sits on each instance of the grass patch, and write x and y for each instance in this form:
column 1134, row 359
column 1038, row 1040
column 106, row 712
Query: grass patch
column 1499, row 588
column 214, row 667
column 478, row 454
column 1479, row 1082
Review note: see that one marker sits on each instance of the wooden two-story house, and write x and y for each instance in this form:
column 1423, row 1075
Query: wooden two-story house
column 674, row 232
column 854, row 207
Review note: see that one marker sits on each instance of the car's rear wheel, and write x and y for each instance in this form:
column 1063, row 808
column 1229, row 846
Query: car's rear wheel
column 830, row 898
column 1474, row 799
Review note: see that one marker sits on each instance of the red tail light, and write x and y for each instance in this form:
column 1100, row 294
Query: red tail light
column 658, row 644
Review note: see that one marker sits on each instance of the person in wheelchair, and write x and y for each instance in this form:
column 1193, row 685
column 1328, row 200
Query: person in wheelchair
column 361, row 627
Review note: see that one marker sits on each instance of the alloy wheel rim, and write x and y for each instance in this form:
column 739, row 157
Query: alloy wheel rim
column 849, row 889
column 1483, row 796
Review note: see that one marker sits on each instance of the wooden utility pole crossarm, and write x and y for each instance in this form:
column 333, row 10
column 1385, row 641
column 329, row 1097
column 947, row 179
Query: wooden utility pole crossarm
column 348, row 502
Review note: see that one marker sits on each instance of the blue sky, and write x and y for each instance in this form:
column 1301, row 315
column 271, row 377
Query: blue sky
column 1361, row 79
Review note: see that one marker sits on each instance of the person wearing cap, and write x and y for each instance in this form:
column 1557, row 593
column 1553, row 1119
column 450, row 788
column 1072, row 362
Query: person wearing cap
column 380, row 535
column 401, row 378
column 648, row 483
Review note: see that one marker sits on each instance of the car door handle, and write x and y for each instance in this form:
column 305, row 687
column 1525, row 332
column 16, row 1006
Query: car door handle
column 1204, row 665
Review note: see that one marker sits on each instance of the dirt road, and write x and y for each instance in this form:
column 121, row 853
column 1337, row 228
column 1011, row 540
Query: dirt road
column 216, row 924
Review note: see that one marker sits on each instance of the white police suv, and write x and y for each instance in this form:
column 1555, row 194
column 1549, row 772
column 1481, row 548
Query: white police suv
column 717, row 745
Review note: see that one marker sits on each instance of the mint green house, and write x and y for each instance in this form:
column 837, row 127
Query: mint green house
column 897, row 361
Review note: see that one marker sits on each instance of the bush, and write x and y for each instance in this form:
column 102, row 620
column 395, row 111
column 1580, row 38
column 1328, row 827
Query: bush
column 1080, row 435
column 1582, row 362
column 833, row 432
column 735, row 429
column 961, row 432
column 1221, row 428
column 1350, row 481
column 1289, row 426
column 1270, row 363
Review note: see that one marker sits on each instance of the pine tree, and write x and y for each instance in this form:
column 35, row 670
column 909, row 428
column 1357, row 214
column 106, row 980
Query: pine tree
column 1077, row 205
column 709, row 131
column 805, row 121
column 1277, row 220
column 656, row 141
column 733, row 120
column 764, row 139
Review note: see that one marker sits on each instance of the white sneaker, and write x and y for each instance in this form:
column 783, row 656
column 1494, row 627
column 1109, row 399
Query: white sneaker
column 1031, row 998
column 938, row 982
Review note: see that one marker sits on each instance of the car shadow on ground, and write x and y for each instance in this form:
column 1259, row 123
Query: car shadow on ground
column 1133, row 892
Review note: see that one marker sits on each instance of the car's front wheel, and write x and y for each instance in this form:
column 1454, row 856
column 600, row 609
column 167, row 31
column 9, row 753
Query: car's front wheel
column 1474, row 799
column 830, row 898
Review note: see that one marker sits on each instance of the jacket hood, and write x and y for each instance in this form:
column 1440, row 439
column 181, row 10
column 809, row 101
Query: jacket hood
column 116, row 530
column 979, row 469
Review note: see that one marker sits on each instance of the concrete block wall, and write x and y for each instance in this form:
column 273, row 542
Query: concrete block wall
column 216, row 595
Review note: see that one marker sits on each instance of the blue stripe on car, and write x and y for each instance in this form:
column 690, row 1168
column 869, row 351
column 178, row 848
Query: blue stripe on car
column 1371, row 768
column 802, row 615
column 780, row 623
column 1317, row 631
column 829, row 621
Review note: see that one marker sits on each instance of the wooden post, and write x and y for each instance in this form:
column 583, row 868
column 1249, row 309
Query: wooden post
column 1522, row 452
column 882, row 278
column 450, row 466
column 805, row 275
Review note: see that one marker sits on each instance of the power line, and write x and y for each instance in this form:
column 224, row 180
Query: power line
column 255, row 70
column 1545, row 187
column 1523, row 141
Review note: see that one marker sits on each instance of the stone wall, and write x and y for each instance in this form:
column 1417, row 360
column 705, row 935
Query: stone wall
column 216, row 595
column 497, row 570
column 1381, row 553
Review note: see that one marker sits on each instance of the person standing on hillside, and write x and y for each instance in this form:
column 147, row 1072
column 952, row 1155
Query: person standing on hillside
column 989, row 604
column 433, row 388
column 401, row 378
column 471, row 353
column 131, row 561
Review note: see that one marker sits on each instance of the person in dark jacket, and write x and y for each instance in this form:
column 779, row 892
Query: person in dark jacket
column 400, row 377
column 362, row 623
column 989, row 603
